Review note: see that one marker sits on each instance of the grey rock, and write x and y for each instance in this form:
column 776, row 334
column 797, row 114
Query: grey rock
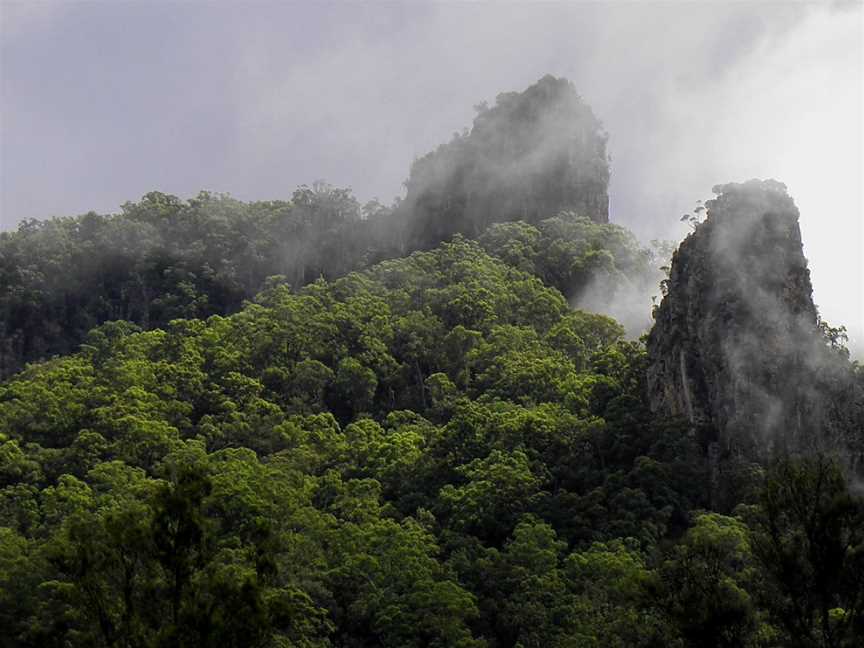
column 737, row 348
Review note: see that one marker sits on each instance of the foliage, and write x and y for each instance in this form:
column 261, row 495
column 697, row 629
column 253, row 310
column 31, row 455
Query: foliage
column 310, row 470
column 809, row 537
column 164, row 258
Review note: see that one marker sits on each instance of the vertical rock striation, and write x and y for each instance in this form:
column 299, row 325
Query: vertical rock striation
column 736, row 347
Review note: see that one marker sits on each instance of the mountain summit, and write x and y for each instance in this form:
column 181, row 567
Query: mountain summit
column 738, row 348
column 531, row 155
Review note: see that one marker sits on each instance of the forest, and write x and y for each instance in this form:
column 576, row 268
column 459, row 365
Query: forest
column 314, row 422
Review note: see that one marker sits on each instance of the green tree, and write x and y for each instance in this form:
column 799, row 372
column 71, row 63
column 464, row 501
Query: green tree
column 808, row 536
column 708, row 580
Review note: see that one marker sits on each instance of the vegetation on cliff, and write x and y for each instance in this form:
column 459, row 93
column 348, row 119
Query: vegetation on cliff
column 738, row 348
column 527, row 157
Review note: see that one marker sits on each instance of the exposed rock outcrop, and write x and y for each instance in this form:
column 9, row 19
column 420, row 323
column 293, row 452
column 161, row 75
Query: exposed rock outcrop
column 529, row 156
column 737, row 348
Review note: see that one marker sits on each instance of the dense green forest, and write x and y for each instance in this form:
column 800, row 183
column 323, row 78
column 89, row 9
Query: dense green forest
column 436, row 451
column 162, row 257
column 269, row 425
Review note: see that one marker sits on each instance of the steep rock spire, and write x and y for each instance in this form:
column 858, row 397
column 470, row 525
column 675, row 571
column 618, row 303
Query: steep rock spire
column 736, row 347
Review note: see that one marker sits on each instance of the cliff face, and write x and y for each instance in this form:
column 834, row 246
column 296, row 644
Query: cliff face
column 527, row 157
column 736, row 346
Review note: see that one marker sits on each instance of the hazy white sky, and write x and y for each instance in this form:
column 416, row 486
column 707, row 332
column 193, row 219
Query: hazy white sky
column 104, row 101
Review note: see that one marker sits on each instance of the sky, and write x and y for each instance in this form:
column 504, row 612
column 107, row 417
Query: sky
column 101, row 102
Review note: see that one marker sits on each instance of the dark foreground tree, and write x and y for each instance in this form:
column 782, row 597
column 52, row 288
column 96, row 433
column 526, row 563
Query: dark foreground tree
column 809, row 537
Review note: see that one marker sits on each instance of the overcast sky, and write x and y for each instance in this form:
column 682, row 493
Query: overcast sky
column 104, row 101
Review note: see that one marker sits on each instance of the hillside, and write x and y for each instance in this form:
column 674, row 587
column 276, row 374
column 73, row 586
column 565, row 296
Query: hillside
column 162, row 257
column 432, row 450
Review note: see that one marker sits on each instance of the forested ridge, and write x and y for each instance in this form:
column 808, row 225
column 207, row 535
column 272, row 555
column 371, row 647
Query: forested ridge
column 163, row 257
column 272, row 424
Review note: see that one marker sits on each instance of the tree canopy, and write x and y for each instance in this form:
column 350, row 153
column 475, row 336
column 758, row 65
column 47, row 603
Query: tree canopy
column 434, row 451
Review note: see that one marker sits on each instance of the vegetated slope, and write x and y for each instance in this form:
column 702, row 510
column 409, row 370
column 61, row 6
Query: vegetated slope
column 434, row 452
column 162, row 258
column 283, row 470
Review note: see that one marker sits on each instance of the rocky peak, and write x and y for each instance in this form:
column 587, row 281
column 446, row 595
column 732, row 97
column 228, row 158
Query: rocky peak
column 527, row 157
column 736, row 346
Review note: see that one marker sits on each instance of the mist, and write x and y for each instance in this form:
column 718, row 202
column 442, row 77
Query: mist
column 103, row 103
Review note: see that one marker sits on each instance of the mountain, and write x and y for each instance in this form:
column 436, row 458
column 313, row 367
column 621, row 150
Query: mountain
column 260, row 428
column 529, row 156
column 737, row 347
